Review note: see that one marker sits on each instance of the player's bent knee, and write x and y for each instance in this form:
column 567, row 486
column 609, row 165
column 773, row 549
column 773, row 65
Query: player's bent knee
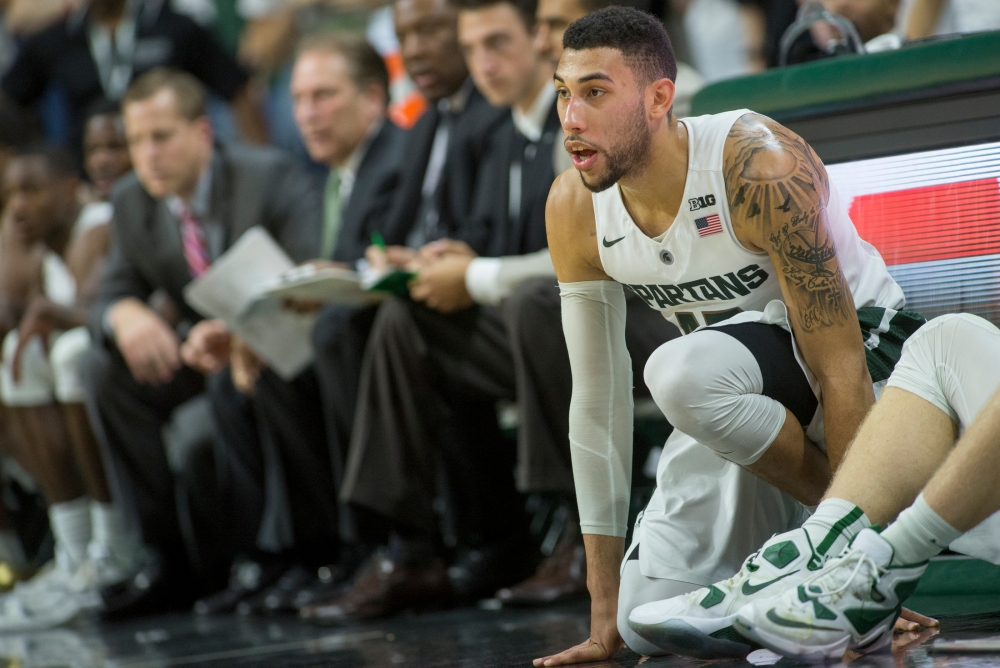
column 34, row 386
column 674, row 381
column 67, row 351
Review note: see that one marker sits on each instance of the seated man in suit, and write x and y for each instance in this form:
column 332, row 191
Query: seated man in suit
column 418, row 409
column 439, row 165
column 188, row 201
column 340, row 91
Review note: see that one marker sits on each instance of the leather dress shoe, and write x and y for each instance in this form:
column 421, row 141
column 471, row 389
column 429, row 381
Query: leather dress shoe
column 383, row 587
column 562, row 576
column 280, row 596
column 246, row 579
column 151, row 590
column 478, row 573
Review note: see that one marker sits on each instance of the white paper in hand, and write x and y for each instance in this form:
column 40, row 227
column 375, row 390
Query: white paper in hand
column 233, row 290
column 324, row 284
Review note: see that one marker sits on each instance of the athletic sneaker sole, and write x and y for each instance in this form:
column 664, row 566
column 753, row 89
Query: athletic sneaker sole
column 814, row 654
column 678, row 637
column 830, row 653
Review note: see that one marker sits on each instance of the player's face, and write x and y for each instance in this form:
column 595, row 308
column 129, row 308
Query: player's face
column 168, row 150
column 603, row 113
column 428, row 43
column 499, row 52
column 105, row 152
column 554, row 16
column 36, row 198
column 332, row 113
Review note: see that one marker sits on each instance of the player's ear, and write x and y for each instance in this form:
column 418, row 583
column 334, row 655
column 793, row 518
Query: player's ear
column 662, row 93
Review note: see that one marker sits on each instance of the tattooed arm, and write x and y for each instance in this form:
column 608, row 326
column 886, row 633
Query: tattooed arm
column 778, row 194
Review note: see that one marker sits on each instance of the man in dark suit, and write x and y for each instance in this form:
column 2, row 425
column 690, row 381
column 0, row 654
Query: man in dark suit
column 188, row 201
column 418, row 410
column 339, row 91
column 440, row 162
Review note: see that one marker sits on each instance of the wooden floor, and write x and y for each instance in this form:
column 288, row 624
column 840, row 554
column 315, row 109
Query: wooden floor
column 469, row 637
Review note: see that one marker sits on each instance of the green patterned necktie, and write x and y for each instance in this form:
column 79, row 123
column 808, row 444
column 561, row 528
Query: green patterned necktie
column 331, row 214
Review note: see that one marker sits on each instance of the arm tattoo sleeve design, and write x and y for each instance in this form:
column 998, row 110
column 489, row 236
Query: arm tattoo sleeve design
column 776, row 182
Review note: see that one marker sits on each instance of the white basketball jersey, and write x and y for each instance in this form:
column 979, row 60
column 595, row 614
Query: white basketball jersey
column 698, row 273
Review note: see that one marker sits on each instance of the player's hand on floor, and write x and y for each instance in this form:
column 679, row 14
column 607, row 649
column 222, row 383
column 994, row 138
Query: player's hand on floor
column 587, row 651
column 603, row 643
column 912, row 621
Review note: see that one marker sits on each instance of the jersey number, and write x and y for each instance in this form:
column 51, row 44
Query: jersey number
column 689, row 321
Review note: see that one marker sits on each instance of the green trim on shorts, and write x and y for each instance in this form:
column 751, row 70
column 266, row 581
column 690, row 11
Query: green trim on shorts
column 884, row 341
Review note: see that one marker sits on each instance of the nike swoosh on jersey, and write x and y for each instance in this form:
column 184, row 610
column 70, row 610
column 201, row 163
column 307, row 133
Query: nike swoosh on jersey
column 793, row 624
column 750, row 590
column 609, row 244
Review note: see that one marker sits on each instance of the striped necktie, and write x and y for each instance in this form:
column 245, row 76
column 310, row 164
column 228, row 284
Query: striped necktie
column 195, row 245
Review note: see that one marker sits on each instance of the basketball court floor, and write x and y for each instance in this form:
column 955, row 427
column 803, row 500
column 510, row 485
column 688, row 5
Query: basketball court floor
column 963, row 593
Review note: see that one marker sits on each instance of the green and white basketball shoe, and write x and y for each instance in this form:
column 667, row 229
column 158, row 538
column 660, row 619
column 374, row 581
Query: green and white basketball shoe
column 700, row 624
column 851, row 604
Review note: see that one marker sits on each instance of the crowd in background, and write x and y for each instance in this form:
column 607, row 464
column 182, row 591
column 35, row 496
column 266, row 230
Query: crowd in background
column 151, row 459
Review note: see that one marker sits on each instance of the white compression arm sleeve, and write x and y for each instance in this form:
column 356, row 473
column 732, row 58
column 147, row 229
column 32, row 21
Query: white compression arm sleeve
column 600, row 412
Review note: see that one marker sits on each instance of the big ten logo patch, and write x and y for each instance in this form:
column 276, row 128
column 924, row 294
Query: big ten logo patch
column 701, row 202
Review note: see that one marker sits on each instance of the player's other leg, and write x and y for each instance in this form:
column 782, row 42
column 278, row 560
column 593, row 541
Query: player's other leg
column 946, row 377
column 637, row 590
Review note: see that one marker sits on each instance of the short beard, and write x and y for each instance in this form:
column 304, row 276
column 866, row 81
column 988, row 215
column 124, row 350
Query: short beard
column 626, row 156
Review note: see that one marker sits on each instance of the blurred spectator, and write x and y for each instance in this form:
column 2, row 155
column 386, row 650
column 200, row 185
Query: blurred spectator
column 726, row 37
column 105, row 150
column 96, row 52
column 26, row 17
column 40, row 385
column 15, row 132
column 340, row 92
column 8, row 45
column 924, row 18
column 188, row 200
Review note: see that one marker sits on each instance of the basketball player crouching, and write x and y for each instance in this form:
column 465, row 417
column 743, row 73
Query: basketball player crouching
column 729, row 226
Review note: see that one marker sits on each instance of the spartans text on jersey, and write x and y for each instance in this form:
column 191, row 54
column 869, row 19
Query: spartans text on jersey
column 714, row 288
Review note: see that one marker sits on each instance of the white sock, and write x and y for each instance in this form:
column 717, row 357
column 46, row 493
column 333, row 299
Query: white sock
column 919, row 534
column 109, row 532
column 11, row 550
column 70, row 522
column 833, row 525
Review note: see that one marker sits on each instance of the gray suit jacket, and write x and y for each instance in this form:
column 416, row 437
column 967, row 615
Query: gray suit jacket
column 250, row 186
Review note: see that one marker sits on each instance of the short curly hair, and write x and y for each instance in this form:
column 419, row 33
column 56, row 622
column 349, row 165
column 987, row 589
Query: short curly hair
column 638, row 35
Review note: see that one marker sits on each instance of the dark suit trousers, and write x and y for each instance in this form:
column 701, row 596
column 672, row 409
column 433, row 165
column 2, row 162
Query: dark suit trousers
column 339, row 338
column 426, row 407
column 290, row 425
column 427, row 380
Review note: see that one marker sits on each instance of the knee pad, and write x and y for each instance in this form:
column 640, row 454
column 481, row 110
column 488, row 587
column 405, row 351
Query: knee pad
column 709, row 386
column 67, row 350
column 36, row 384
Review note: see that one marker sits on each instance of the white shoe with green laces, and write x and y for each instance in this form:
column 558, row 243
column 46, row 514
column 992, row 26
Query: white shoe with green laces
column 851, row 604
column 700, row 624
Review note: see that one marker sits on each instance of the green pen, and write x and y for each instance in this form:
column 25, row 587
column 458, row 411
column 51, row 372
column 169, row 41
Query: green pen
column 377, row 240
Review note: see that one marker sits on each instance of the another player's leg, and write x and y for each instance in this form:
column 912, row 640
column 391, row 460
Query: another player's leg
column 946, row 376
column 113, row 552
